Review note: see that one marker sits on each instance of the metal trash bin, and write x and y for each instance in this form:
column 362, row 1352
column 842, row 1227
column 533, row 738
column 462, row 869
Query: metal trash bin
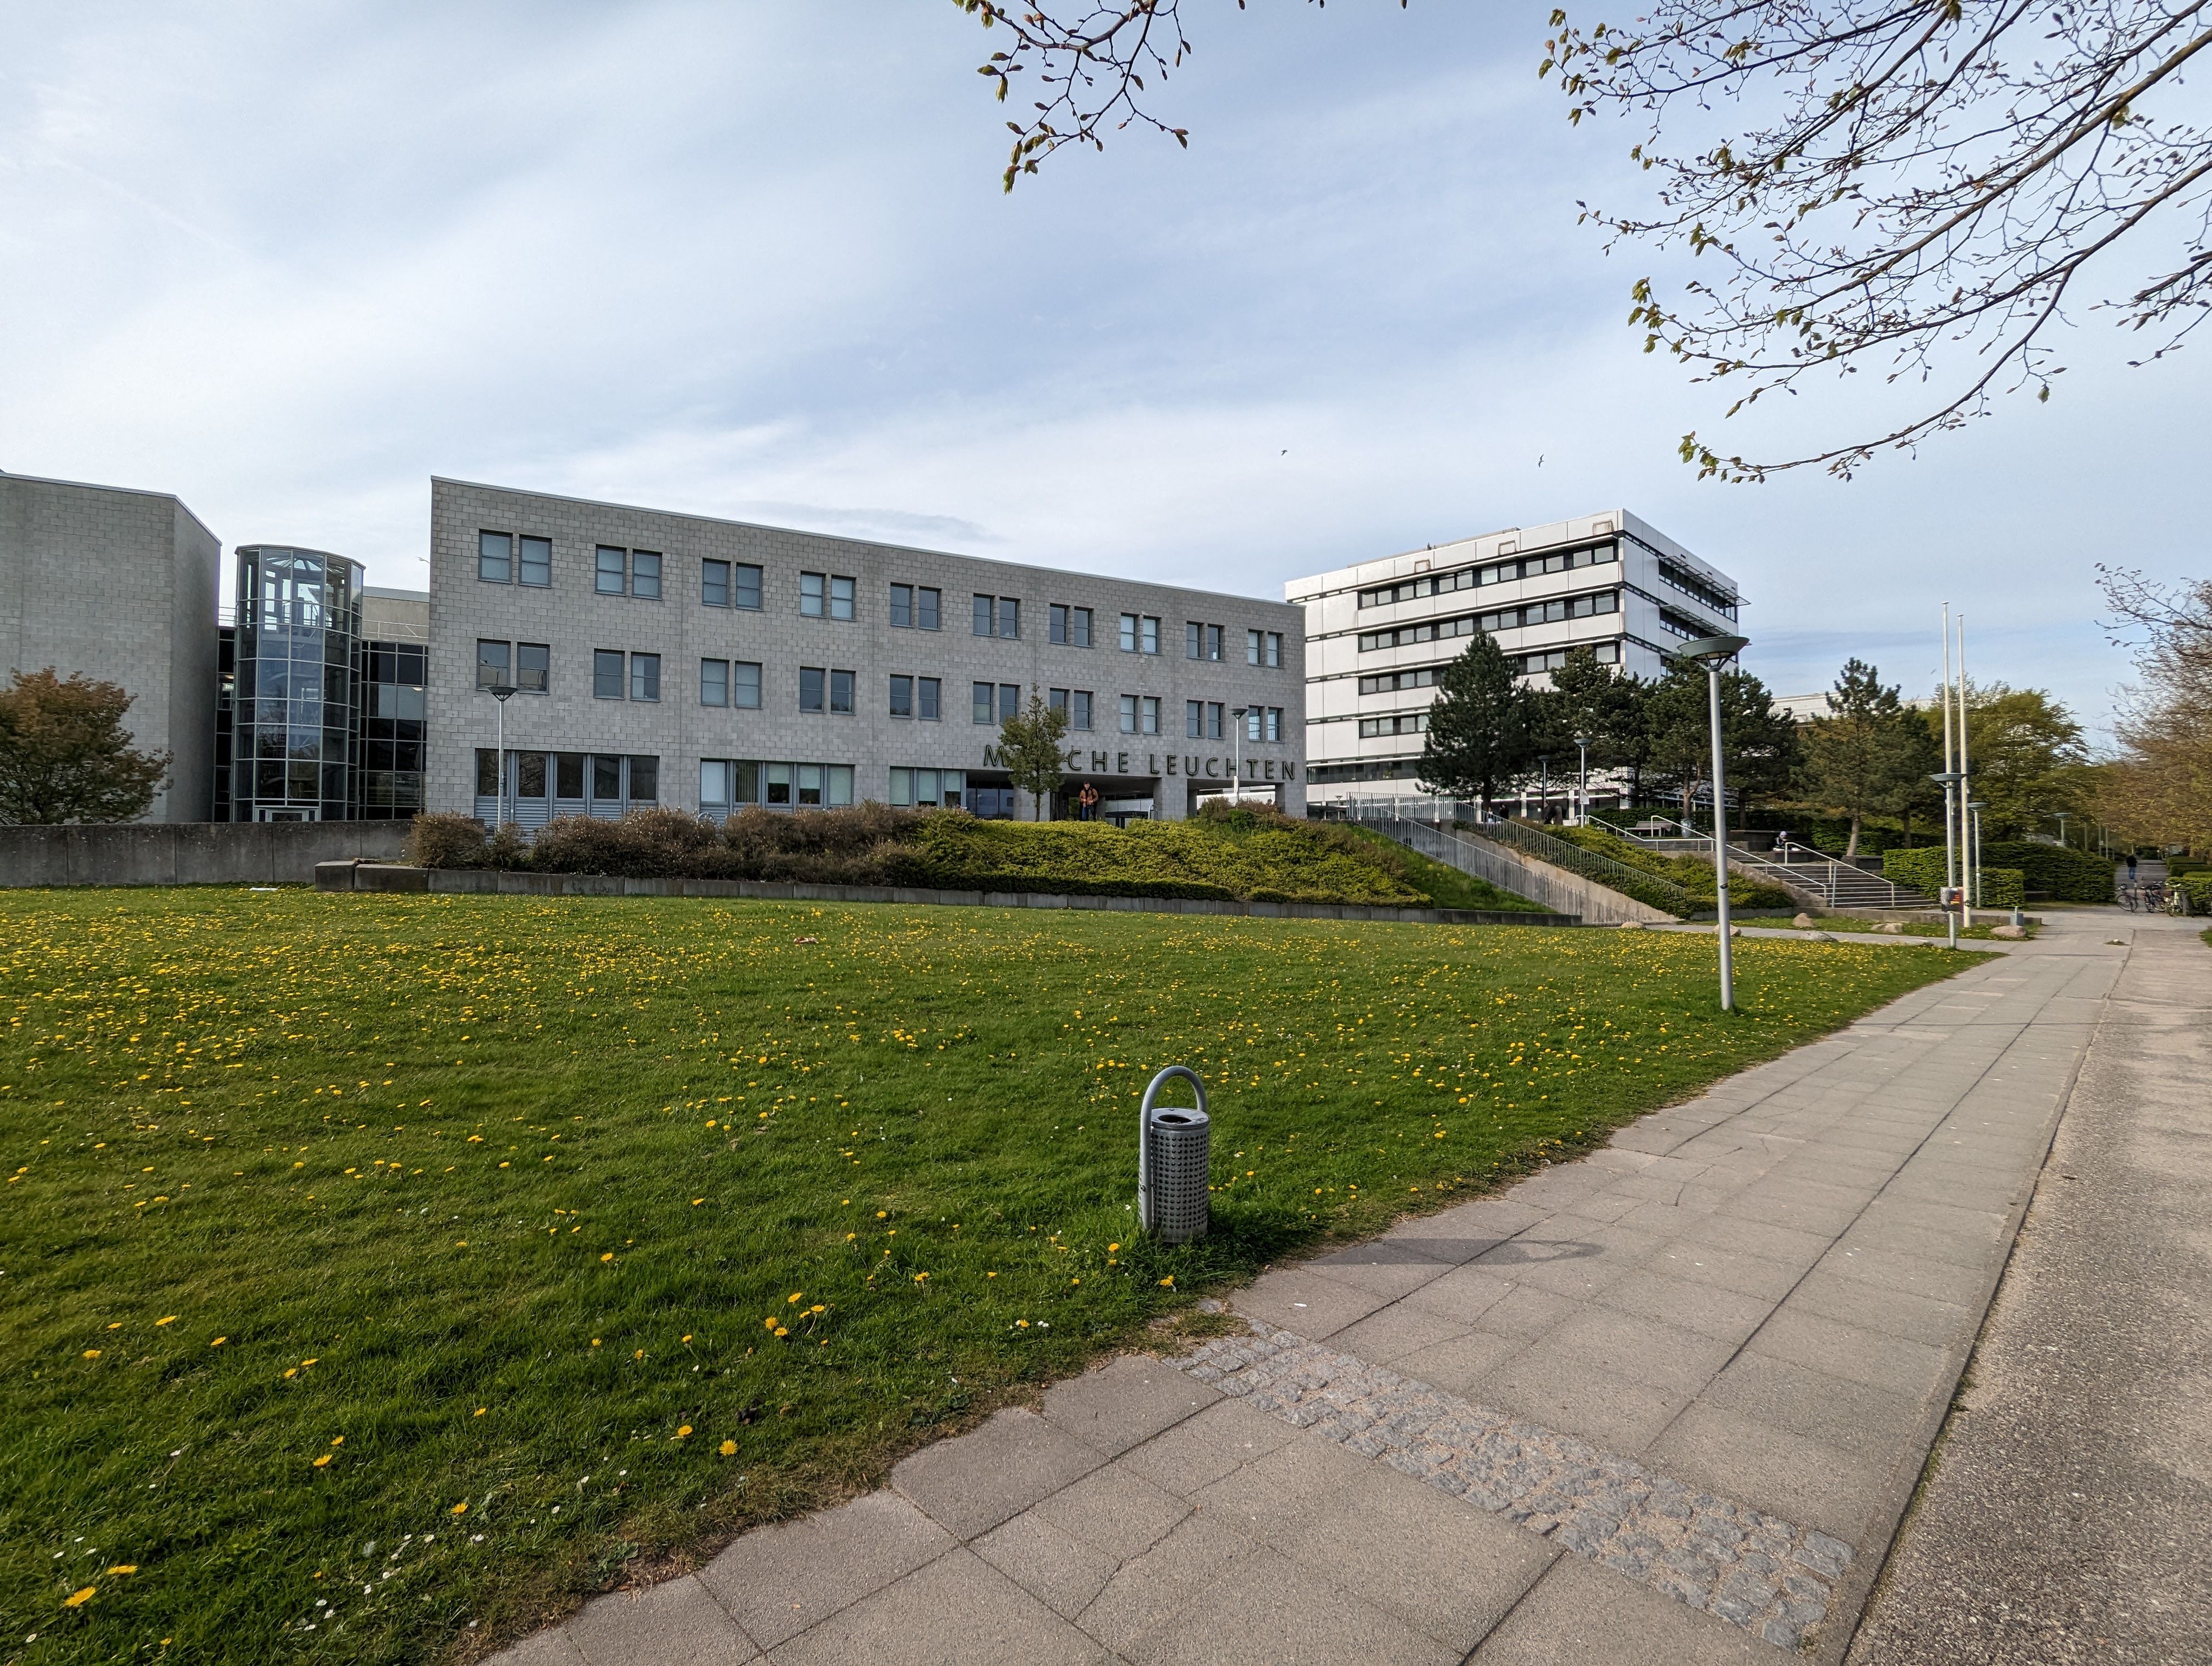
column 1175, row 1149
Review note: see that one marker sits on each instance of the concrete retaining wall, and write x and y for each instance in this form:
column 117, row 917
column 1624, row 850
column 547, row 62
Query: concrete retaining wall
column 1541, row 882
column 190, row 852
column 374, row 877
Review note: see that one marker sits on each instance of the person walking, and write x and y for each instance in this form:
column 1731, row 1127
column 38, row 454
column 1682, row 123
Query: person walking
column 2131, row 867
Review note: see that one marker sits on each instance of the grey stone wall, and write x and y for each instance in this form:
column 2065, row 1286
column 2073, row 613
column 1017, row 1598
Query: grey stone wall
column 190, row 853
column 575, row 620
column 119, row 585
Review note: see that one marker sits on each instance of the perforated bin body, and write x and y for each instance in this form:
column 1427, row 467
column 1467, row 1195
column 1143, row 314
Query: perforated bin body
column 1182, row 1145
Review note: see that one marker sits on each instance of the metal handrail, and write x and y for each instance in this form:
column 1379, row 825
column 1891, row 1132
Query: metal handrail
column 1560, row 852
column 1824, row 878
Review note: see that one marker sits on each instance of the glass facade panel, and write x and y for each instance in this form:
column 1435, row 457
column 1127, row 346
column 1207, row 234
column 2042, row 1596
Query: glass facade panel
column 297, row 648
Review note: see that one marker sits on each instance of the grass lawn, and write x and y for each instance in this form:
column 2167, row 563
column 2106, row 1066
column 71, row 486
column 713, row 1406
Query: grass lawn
column 381, row 1272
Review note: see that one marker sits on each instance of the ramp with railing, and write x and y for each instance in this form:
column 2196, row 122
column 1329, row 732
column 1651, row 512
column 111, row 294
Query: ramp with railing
column 1525, row 860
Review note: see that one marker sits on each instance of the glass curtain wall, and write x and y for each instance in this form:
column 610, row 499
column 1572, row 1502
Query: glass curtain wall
column 298, row 645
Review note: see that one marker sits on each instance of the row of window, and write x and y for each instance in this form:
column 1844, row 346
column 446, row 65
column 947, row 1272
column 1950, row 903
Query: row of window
column 507, row 558
column 1402, row 723
column 621, row 778
column 726, row 782
column 1682, row 624
column 1427, row 676
column 1497, row 572
column 1690, row 584
column 1510, row 618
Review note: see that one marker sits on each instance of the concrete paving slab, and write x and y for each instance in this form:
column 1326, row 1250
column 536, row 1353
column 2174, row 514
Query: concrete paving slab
column 1581, row 1613
column 1308, row 1302
column 676, row 1623
column 1268, row 1607
column 1668, row 1356
column 1464, row 1294
column 1785, row 1244
column 1398, row 1330
column 1526, row 1313
column 970, row 1483
column 1772, row 1469
column 776, row 1581
column 1059, row 1569
column 548, row 1648
column 1193, row 1455
column 1727, row 1269
column 1388, row 1271
column 957, row 1611
column 1852, row 1417
column 1152, row 1588
column 1564, row 1390
column 1887, row 1312
column 1913, row 1275
column 1462, row 1362
column 1908, row 1368
column 1448, row 1570
column 1116, row 1509
column 1727, row 1315
column 1124, row 1402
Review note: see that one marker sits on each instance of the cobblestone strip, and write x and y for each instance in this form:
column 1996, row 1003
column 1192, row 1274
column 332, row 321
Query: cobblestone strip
column 1773, row 1578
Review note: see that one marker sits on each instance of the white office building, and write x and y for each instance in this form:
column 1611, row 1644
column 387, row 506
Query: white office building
column 1380, row 633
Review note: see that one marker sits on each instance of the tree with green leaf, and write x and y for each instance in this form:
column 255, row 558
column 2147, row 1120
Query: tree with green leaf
column 1599, row 703
column 1861, row 757
column 1760, row 745
column 1483, row 731
column 1031, row 744
column 2027, row 759
column 66, row 755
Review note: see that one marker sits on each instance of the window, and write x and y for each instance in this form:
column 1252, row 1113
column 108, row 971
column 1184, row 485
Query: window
column 902, row 696
column 1503, row 572
column 1406, row 723
column 1264, row 648
column 714, row 682
column 606, row 778
column 531, row 662
column 1071, row 626
column 487, row 773
column 1201, row 642
column 645, row 677
column 998, row 615
column 985, row 696
column 1140, row 714
column 568, row 776
column 1213, row 720
column 606, row 674
column 608, row 569
column 928, row 790
column 1149, row 715
column 644, row 779
column 840, row 597
column 495, row 558
column 1510, row 618
column 714, row 583
column 745, row 685
column 1274, row 723
column 778, row 783
column 901, row 607
column 1141, row 634
column 1255, row 716
column 929, row 699
column 492, row 662
column 744, row 585
column 1009, row 700
column 1129, row 632
column 1128, row 713
column 840, row 692
column 644, row 575
column 813, row 594
column 1148, row 638
column 915, row 607
column 813, row 681
column 1078, row 709
column 1194, row 720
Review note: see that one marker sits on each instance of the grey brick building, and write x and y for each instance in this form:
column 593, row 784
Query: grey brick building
column 119, row 585
column 708, row 664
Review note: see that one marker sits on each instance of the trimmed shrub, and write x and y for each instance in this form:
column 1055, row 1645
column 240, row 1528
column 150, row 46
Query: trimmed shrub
column 1923, row 870
column 2070, row 876
column 2198, row 888
column 444, row 838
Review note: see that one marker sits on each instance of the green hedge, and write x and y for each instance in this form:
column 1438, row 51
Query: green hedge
column 2197, row 887
column 1923, row 870
column 2070, row 876
column 1692, row 873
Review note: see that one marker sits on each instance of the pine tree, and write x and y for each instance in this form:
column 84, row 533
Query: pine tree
column 1482, row 727
column 1029, row 749
column 1861, row 757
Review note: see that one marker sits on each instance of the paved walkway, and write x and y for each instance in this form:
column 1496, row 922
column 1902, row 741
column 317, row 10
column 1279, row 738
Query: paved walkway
column 1666, row 1404
column 2066, row 1519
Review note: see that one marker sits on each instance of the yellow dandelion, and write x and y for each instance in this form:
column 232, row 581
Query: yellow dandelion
column 479, row 1412
column 684, row 1432
column 796, row 1295
column 1113, row 1246
column 595, row 1341
column 291, row 1370
column 92, row 1354
column 727, row 1449
column 218, row 1342
column 780, row 1331
column 171, row 1320
column 1168, row 1283
column 609, row 1255
column 322, row 1461
column 125, row 1567
column 686, row 1338
column 78, row 1599
column 462, row 1508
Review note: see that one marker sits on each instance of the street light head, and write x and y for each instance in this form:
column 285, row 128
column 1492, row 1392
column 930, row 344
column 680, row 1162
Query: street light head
column 1948, row 778
column 502, row 692
column 1712, row 650
column 1581, row 740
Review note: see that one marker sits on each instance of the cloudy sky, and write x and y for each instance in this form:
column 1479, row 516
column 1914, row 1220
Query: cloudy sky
column 752, row 260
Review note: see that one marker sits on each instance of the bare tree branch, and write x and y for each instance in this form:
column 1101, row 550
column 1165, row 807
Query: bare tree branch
column 1914, row 182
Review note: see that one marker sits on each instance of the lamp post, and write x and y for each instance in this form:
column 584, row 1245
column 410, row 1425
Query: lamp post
column 501, row 692
column 1581, row 787
column 1544, row 808
column 1712, row 652
column 2062, row 830
column 1949, row 780
column 1236, row 756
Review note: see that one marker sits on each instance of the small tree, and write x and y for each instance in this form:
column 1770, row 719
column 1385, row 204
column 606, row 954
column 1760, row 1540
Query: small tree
column 1482, row 728
column 1760, row 744
column 1859, row 757
column 1029, row 747
column 1603, row 705
column 65, row 756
